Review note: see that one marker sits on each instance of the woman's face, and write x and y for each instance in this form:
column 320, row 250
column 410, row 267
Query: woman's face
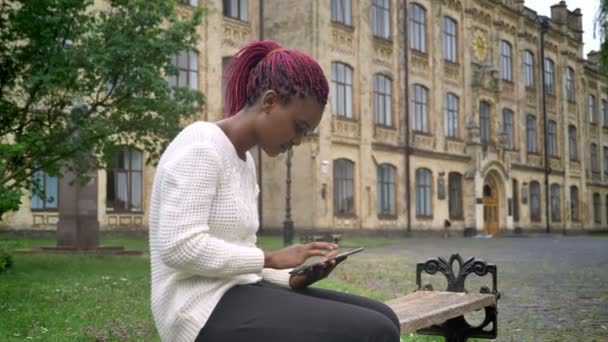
column 282, row 126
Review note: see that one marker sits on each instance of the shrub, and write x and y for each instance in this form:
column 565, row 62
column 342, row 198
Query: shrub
column 6, row 260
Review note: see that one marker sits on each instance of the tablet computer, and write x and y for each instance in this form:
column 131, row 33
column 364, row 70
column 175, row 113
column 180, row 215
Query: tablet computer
column 338, row 256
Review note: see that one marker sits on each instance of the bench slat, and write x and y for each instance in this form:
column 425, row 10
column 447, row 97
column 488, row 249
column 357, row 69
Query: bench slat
column 422, row 309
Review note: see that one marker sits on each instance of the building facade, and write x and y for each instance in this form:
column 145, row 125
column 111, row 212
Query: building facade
column 476, row 112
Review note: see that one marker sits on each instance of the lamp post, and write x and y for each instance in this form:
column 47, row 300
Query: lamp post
column 288, row 223
column 544, row 28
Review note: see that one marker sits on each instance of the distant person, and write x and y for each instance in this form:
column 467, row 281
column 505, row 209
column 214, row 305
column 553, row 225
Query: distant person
column 209, row 280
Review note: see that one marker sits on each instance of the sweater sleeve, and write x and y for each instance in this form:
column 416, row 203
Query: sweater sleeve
column 189, row 184
column 278, row 277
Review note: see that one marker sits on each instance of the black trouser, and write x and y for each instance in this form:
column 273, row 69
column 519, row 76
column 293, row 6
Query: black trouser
column 264, row 312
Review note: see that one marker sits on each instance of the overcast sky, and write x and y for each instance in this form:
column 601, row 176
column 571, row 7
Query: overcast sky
column 589, row 10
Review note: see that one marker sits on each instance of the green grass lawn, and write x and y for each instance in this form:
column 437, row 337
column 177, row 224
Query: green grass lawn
column 49, row 297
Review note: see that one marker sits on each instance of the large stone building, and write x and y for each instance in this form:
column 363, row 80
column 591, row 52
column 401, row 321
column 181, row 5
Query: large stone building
column 440, row 116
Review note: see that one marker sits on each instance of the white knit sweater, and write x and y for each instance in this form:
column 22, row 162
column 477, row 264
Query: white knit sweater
column 203, row 223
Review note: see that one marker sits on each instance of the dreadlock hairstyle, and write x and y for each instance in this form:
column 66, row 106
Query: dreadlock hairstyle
column 264, row 65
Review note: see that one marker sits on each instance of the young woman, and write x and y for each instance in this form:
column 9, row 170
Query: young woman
column 209, row 280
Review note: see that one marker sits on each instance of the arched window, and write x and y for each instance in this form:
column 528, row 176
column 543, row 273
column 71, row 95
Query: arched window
column 549, row 77
column 342, row 89
column 450, row 40
column 383, row 113
column 506, row 61
column 528, row 69
column 417, row 27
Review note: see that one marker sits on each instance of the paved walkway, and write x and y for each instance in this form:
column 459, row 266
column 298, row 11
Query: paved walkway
column 553, row 288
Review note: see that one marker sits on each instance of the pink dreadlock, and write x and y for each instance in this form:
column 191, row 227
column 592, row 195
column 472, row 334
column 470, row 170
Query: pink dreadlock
column 264, row 65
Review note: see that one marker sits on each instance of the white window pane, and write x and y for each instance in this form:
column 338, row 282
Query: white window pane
column 193, row 60
column 136, row 161
column 136, row 192
column 244, row 10
column 182, row 60
column 349, row 102
column 193, row 80
column 51, row 191
column 121, row 190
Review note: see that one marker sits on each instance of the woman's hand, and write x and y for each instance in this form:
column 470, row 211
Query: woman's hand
column 297, row 254
column 311, row 275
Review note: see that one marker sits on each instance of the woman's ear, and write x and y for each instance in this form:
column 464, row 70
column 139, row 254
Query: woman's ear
column 269, row 99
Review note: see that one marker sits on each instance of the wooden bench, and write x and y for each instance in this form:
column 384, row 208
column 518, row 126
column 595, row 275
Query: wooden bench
column 429, row 312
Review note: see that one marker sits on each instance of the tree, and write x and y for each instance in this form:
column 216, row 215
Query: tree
column 78, row 81
column 601, row 27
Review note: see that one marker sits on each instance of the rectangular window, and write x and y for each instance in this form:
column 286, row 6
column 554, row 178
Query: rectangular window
column 484, row 122
column 455, row 195
column 572, row 142
column 552, row 136
column 549, row 80
column 382, row 101
column 574, row 203
column 341, row 12
column 593, row 155
column 187, row 65
column 423, row 193
column 45, row 191
column 451, row 116
column 386, row 189
column 418, row 28
column 535, row 201
column 606, row 159
column 603, row 113
column 528, row 69
column 597, row 214
column 343, row 187
column 591, row 109
column 450, row 43
column 124, row 181
column 507, row 125
column 531, row 133
column 505, row 61
column 421, row 119
column 555, row 203
column 237, row 9
column 570, row 84
column 515, row 201
column 193, row 3
column 381, row 18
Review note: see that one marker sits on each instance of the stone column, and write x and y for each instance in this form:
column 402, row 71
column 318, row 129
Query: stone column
column 78, row 226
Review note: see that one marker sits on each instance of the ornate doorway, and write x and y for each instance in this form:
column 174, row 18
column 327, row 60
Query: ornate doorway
column 490, row 206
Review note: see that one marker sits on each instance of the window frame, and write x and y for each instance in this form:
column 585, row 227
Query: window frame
column 174, row 80
column 242, row 13
column 129, row 182
column 531, row 134
column 420, row 110
column 455, row 196
column 382, row 97
column 382, row 10
column 597, row 205
column 506, row 61
column 386, row 190
column 342, row 14
column 450, row 39
column 452, row 126
column 338, row 85
column 45, row 179
column 549, row 77
column 552, row 137
column 423, row 175
column 572, row 143
column 574, row 207
column 570, row 93
column 555, row 203
column 535, row 215
column 349, row 188
column 485, row 131
column 508, row 127
column 528, row 69
column 418, row 27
